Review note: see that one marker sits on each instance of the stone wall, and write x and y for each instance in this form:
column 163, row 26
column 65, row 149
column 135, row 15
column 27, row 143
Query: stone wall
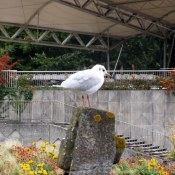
column 138, row 113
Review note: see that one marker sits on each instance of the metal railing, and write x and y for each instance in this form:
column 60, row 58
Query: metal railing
column 51, row 78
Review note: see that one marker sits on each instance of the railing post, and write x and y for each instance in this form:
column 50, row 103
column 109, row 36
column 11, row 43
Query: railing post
column 164, row 53
column 108, row 61
column 51, row 116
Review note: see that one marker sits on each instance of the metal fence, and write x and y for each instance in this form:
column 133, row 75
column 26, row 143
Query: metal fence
column 52, row 78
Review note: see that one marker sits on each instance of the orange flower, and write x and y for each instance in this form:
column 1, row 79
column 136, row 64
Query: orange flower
column 133, row 77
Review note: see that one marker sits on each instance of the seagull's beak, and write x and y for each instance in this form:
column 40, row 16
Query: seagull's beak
column 108, row 75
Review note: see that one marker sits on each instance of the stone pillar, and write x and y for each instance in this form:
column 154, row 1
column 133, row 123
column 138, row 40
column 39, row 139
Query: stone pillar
column 89, row 146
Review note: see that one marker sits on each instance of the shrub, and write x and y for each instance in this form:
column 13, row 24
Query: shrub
column 5, row 65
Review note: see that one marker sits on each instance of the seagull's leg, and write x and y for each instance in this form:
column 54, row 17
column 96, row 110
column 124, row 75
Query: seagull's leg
column 88, row 101
column 83, row 100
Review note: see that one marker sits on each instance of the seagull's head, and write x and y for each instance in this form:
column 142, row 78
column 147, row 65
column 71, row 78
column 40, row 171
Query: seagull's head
column 101, row 69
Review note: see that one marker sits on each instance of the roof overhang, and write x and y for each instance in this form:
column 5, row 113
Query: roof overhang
column 99, row 19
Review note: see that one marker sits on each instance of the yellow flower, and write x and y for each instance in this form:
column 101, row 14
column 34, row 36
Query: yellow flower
column 97, row 118
column 34, row 143
column 44, row 172
column 25, row 167
column 154, row 161
column 110, row 114
column 21, row 164
column 40, row 172
column 46, row 143
column 50, row 154
column 165, row 173
column 149, row 166
column 43, row 148
column 31, row 173
column 55, row 157
column 40, row 165
column 30, row 161
column 160, row 168
column 28, row 149
column 54, row 145
column 142, row 160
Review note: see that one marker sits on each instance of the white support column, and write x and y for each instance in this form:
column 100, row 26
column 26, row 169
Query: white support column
column 164, row 53
column 108, row 60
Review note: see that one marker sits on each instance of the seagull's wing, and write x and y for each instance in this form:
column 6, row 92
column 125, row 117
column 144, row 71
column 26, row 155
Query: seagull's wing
column 82, row 80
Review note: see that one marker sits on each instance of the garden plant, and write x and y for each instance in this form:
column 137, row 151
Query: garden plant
column 140, row 166
column 16, row 159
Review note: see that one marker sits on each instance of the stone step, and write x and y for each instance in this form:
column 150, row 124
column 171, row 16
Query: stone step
column 127, row 138
column 153, row 147
column 146, row 146
column 160, row 153
column 140, row 145
column 164, row 154
column 130, row 140
column 134, row 143
column 156, row 150
column 148, row 149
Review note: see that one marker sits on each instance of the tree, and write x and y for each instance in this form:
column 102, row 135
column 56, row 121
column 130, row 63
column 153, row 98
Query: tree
column 143, row 52
column 5, row 65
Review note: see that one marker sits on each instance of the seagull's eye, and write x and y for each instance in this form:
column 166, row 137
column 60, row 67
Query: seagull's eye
column 103, row 70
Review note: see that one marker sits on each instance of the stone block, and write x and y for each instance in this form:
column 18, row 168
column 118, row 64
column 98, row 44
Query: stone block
column 89, row 146
column 95, row 171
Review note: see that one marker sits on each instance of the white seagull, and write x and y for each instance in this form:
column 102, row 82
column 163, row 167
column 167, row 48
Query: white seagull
column 86, row 82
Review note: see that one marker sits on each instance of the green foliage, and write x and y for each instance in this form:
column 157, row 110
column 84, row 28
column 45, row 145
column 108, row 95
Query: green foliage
column 137, row 84
column 140, row 166
column 17, row 98
column 68, row 61
column 145, row 171
column 28, row 94
column 142, row 51
column 25, row 80
column 3, row 93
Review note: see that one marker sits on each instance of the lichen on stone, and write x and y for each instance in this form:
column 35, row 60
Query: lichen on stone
column 73, row 169
column 120, row 142
column 97, row 118
column 110, row 114
column 90, row 138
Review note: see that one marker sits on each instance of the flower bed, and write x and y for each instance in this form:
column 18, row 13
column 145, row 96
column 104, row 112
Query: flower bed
column 40, row 159
column 141, row 166
column 17, row 159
